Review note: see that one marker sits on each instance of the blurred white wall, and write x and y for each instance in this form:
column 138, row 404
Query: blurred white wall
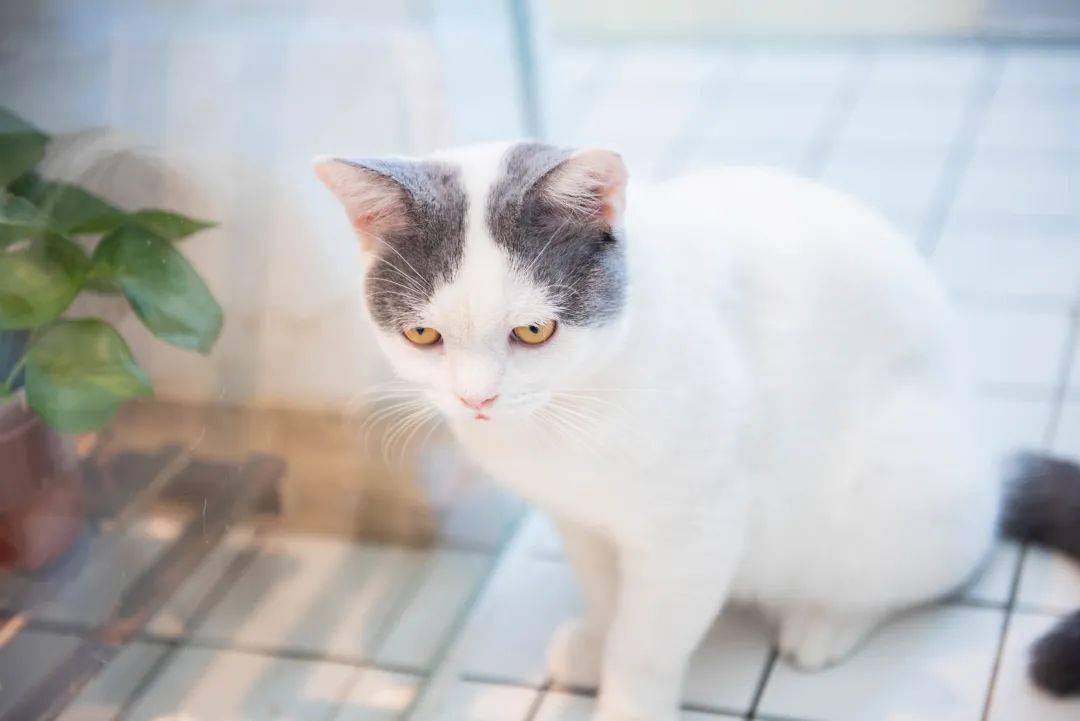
column 725, row 18
column 222, row 105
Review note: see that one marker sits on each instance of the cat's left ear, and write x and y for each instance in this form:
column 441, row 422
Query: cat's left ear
column 375, row 200
column 592, row 182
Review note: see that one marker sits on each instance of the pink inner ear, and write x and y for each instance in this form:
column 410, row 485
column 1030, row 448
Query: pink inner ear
column 591, row 182
column 375, row 205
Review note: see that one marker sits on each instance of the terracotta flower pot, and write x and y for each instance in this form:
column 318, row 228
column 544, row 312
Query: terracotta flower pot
column 41, row 495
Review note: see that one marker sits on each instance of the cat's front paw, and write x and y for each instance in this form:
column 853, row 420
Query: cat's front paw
column 813, row 639
column 574, row 655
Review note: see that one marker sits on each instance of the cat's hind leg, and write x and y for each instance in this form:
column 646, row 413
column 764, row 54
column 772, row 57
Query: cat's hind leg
column 813, row 637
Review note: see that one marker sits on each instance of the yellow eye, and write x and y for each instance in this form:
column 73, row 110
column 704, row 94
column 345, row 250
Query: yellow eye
column 535, row 333
column 422, row 336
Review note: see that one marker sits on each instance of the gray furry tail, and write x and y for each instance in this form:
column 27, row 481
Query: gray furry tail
column 1042, row 507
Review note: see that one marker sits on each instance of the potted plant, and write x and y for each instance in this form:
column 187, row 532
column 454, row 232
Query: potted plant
column 63, row 375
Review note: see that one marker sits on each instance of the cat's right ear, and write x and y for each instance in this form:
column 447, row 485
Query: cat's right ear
column 374, row 201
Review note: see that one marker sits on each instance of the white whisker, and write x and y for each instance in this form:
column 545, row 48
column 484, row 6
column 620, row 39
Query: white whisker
column 399, row 429
column 528, row 269
column 386, row 414
column 419, row 276
column 616, row 390
column 391, row 432
column 407, row 439
column 416, row 302
column 585, row 397
column 438, row 418
column 569, row 431
column 415, row 283
column 413, row 291
column 586, row 414
column 378, row 396
column 571, row 288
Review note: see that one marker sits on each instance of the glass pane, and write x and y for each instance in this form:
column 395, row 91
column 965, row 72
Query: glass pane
column 274, row 531
column 218, row 500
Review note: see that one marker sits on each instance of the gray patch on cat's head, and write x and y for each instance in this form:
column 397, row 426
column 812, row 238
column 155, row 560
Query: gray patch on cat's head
column 577, row 259
column 424, row 251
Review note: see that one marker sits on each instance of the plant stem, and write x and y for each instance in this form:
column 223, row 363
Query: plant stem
column 15, row 372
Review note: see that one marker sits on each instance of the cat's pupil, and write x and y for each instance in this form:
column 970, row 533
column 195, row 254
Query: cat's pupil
column 420, row 331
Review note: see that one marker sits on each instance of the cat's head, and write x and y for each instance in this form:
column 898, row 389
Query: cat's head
column 494, row 275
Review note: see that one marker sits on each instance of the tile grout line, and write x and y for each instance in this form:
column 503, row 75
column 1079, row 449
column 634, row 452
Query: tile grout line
column 517, row 683
column 1043, row 610
column 1034, row 303
column 453, row 635
column 61, row 628
column 1010, row 607
column 1068, row 357
column 547, row 687
column 1006, row 622
column 962, row 150
column 1016, row 392
column 848, row 92
column 711, row 710
column 523, row 29
column 280, row 653
column 963, row 602
column 146, row 595
column 763, row 681
column 717, row 85
column 537, row 702
column 409, row 592
column 1064, row 371
column 232, row 572
column 770, row 717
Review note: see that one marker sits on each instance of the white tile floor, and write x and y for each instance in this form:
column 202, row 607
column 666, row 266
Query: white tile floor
column 1014, row 347
column 206, row 683
column 1067, row 437
column 975, row 151
column 312, row 595
column 933, row 664
column 1014, row 698
column 85, row 592
column 560, row 706
column 100, row 700
column 983, row 141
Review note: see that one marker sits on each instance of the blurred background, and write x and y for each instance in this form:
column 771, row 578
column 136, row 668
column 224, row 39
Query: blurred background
column 264, row 538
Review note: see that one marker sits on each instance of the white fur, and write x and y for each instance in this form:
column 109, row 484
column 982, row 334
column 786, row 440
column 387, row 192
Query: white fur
column 779, row 416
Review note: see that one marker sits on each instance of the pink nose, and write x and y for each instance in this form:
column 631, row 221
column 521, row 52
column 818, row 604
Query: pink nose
column 477, row 403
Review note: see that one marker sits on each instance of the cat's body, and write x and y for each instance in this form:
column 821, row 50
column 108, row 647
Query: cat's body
column 801, row 363
column 754, row 393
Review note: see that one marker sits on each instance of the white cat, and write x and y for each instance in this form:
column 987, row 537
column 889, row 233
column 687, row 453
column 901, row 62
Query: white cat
column 738, row 385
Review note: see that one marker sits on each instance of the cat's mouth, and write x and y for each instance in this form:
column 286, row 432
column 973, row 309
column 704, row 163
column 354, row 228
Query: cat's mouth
column 508, row 407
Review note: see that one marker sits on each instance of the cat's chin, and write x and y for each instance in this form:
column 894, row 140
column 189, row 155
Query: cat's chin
column 475, row 426
column 487, row 418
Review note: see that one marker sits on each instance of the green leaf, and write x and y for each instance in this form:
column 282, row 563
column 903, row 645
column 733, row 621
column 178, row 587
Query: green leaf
column 165, row 291
column 71, row 209
column 79, row 372
column 11, row 124
column 99, row 279
column 20, row 219
column 168, row 225
column 38, row 279
column 21, row 146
